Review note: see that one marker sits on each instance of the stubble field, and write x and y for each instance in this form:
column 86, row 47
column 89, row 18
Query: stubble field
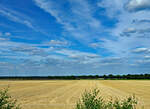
column 63, row 94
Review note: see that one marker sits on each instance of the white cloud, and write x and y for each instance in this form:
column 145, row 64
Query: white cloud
column 137, row 5
column 143, row 21
column 16, row 17
column 130, row 32
column 95, row 45
column 147, row 57
column 143, row 61
column 1, row 34
column 141, row 50
column 112, row 8
column 3, row 39
column 73, row 53
column 77, row 21
column 81, row 57
column 7, row 34
column 21, row 18
column 60, row 43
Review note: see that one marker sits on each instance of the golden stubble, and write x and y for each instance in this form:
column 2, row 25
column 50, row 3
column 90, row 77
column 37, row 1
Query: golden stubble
column 63, row 94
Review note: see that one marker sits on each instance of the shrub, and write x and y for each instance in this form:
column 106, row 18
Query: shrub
column 6, row 101
column 90, row 100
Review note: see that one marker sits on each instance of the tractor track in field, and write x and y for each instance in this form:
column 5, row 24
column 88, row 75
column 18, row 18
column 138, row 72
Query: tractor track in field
column 56, row 94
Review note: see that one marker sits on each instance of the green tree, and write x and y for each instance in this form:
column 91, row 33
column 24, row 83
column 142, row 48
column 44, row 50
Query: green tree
column 6, row 101
column 90, row 100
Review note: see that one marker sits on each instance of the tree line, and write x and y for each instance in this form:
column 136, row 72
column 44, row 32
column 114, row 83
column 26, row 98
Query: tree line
column 72, row 77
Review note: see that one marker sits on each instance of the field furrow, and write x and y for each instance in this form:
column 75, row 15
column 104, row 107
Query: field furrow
column 63, row 94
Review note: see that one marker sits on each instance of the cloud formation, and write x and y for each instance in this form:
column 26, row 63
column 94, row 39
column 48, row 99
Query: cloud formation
column 16, row 17
column 141, row 50
column 78, row 21
column 74, row 37
column 137, row 5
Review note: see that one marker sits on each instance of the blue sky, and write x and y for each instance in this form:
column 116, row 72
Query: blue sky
column 74, row 37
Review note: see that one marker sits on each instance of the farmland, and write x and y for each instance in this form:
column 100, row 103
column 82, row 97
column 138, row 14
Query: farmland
column 63, row 94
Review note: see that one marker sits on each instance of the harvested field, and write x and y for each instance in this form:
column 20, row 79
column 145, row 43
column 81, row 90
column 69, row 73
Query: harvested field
column 62, row 94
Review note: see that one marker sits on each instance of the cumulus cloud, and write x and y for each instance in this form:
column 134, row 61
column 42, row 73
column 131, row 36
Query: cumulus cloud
column 23, row 49
column 141, row 21
column 114, row 52
column 75, row 53
column 130, row 30
column 3, row 39
column 135, row 32
column 60, row 43
column 81, row 57
column 143, row 61
column 31, row 50
column 5, row 34
column 141, row 50
column 113, row 9
column 147, row 57
column 95, row 45
column 137, row 5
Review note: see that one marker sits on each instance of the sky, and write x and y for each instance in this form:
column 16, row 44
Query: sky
column 74, row 37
